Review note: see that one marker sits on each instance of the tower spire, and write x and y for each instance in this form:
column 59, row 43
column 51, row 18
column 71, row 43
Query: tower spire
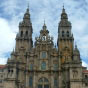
column 28, row 4
column 64, row 19
column 28, row 8
column 63, row 11
column 63, row 5
column 44, row 23
column 44, row 26
column 76, row 48
column 27, row 14
column 75, row 45
column 64, row 14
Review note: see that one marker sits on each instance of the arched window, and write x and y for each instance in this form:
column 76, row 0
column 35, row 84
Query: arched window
column 43, row 83
column 67, row 33
column 55, row 67
column 26, row 33
column 30, row 81
column 43, row 54
column 43, row 66
column 21, row 33
column 62, row 33
column 31, row 66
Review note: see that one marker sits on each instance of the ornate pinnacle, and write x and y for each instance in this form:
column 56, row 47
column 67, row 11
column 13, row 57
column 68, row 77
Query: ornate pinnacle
column 75, row 46
column 27, row 9
column 64, row 15
column 27, row 14
column 44, row 26
column 63, row 11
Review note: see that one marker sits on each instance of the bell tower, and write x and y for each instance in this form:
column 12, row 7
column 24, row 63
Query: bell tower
column 24, row 37
column 65, row 37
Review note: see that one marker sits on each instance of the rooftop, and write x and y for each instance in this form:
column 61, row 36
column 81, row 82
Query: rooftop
column 2, row 66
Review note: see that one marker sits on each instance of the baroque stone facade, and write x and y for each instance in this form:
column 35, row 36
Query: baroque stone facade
column 45, row 65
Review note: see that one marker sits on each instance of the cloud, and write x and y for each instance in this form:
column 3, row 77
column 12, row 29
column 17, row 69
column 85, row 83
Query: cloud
column 12, row 13
column 85, row 64
column 6, row 34
column 7, row 38
column 3, row 60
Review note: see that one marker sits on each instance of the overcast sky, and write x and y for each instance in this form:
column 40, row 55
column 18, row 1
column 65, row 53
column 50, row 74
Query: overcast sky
column 12, row 11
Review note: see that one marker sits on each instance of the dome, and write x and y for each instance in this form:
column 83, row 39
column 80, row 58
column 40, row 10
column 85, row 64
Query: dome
column 76, row 51
column 64, row 19
column 64, row 23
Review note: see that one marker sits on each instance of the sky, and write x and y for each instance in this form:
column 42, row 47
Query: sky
column 12, row 11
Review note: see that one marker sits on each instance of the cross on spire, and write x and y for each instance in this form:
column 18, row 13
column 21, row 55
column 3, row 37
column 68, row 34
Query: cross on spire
column 44, row 23
column 63, row 11
column 27, row 13
column 28, row 4
column 64, row 14
column 75, row 45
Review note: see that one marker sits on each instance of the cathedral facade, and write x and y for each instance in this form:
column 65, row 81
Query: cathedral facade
column 45, row 65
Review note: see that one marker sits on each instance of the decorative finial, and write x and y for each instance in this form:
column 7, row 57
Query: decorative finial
column 44, row 23
column 63, row 5
column 27, row 8
column 75, row 45
column 44, row 26
column 63, row 9
column 28, row 5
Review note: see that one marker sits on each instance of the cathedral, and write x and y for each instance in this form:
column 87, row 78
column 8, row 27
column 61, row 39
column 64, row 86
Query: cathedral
column 41, row 64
